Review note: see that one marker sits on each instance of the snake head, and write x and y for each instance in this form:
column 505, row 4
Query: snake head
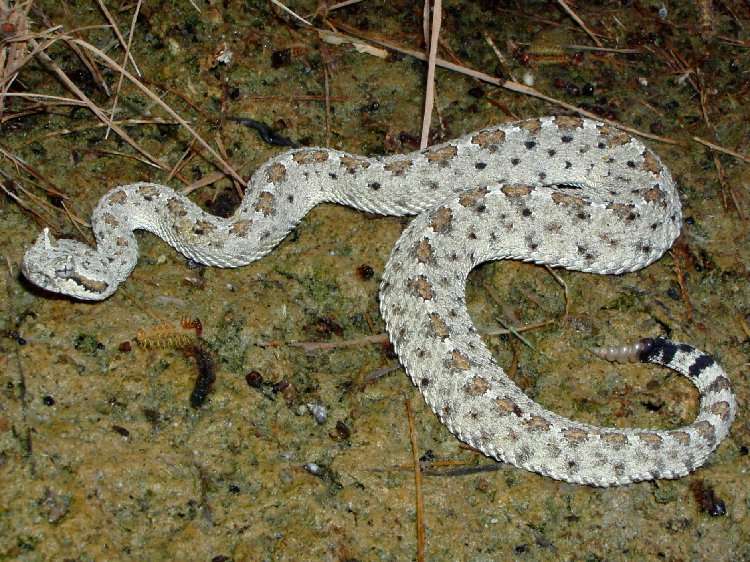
column 67, row 267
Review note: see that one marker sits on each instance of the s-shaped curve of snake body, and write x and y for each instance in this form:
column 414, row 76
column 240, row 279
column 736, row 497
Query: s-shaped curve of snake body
column 562, row 191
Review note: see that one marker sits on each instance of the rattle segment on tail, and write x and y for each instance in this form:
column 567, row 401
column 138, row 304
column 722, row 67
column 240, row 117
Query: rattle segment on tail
column 562, row 191
column 626, row 353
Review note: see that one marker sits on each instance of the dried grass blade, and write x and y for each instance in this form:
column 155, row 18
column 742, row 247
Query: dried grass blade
column 429, row 100
column 119, row 36
column 156, row 99
column 124, row 65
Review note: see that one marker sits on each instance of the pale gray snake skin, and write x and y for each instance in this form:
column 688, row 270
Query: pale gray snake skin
column 562, row 191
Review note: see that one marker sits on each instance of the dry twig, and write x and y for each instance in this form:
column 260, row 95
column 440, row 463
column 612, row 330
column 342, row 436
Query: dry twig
column 579, row 21
column 677, row 268
column 126, row 56
column 120, row 38
column 718, row 148
column 290, row 12
column 417, row 483
column 507, row 84
column 429, row 100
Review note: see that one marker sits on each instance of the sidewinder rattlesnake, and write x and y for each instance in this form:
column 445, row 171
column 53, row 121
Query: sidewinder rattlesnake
column 562, row 191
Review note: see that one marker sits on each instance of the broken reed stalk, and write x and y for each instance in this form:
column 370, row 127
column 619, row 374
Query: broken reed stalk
column 429, row 100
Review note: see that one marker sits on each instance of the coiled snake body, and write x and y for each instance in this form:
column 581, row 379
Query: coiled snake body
column 562, row 191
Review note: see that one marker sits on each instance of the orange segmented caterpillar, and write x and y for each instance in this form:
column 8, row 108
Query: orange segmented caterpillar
column 167, row 335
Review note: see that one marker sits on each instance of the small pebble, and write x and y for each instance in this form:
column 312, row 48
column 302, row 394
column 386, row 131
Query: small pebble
column 365, row 271
column 313, row 468
column 281, row 58
column 319, row 413
column 254, row 379
column 121, row 430
column 342, row 431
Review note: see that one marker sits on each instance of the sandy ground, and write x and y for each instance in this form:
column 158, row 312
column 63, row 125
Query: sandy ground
column 102, row 455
